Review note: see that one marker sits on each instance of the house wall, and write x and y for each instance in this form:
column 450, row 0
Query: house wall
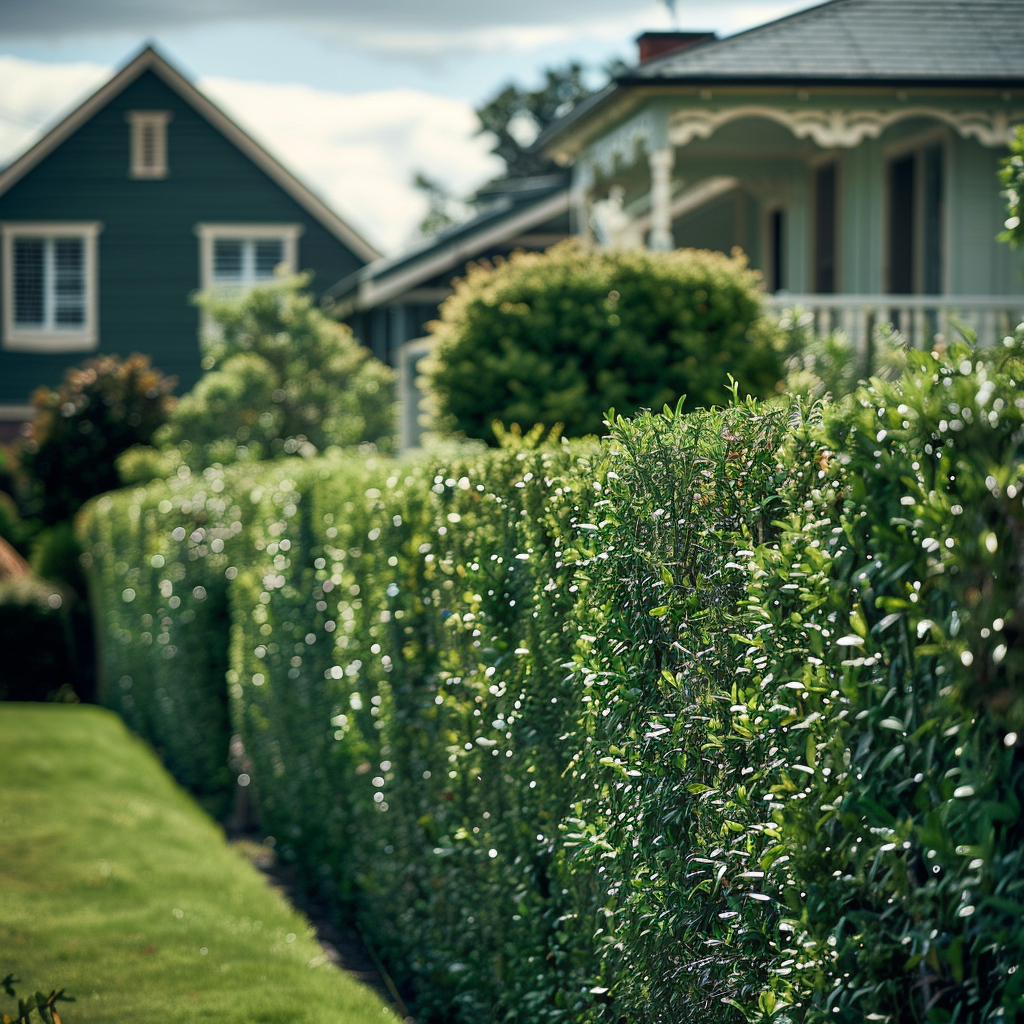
column 148, row 249
column 974, row 262
column 978, row 265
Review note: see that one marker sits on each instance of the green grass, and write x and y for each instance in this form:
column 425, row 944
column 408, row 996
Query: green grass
column 115, row 886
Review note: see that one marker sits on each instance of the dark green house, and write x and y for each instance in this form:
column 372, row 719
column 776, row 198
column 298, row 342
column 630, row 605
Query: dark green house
column 144, row 194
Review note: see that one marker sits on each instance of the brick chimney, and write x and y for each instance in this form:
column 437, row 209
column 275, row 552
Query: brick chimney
column 657, row 44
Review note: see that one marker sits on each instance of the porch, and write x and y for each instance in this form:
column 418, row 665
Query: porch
column 922, row 320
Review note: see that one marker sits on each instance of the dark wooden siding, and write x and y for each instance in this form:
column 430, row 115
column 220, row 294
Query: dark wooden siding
column 148, row 249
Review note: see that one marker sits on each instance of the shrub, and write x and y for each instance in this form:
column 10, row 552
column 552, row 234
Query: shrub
column 159, row 560
column 12, row 528
column 409, row 736
column 659, row 827
column 1011, row 177
column 281, row 379
column 820, row 366
column 560, row 337
column 102, row 408
column 903, row 879
column 717, row 723
column 35, row 637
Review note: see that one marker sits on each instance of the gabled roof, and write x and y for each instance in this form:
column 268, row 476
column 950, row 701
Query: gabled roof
column 150, row 60
column 511, row 208
column 863, row 41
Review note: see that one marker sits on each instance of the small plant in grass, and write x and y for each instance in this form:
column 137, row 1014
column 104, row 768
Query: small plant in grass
column 44, row 1006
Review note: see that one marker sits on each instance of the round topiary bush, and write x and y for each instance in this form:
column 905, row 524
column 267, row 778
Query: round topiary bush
column 563, row 336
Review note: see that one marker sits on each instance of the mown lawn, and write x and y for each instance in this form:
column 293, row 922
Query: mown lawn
column 115, row 886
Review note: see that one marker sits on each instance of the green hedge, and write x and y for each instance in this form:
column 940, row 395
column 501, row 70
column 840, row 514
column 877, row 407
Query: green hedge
column 399, row 672
column 716, row 722
column 36, row 640
column 159, row 561
column 803, row 795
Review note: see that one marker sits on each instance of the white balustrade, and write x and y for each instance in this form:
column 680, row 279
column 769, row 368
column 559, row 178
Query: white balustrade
column 922, row 320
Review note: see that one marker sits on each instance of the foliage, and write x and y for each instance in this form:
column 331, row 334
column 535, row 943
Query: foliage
column 101, row 408
column 376, row 650
column 903, row 884
column 443, row 210
column 658, row 795
column 39, row 1003
column 115, row 882
column 55, row 557
column 717, row 721
column 516, row 116
column 820, row 366
column 159, row 561
column 281, row 378
column 1011, row 177
column 562, row 336
column 12, row 528
column 36, row 638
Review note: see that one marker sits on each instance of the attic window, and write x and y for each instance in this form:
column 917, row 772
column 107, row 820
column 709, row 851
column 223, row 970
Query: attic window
column 148, row 143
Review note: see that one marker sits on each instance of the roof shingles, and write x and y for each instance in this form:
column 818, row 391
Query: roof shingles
column 863, row 40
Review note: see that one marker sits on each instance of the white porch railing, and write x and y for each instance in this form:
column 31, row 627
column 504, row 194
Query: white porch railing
column 921, row 319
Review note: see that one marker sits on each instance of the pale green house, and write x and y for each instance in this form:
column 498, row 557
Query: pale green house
column 850, row 150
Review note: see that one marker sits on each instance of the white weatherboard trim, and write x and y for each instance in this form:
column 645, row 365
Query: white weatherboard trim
column 139, row 122
column 150, row 60
column 209, row 233
column 70, row 339
column 372, row 294
column 16, row 413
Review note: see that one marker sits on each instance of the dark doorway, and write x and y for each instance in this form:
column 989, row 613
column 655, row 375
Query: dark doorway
column 776, row 251
column 933, row 241
column 825, row 229
column 916, row 214
column 902, row 174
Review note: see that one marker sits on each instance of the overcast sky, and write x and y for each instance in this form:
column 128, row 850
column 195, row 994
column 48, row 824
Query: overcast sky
column 353, row 99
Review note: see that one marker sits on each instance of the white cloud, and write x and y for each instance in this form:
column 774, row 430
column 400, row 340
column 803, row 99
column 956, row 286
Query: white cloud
column 451, row 43
column 33, row 96
column 60, row 18
column 358, row 152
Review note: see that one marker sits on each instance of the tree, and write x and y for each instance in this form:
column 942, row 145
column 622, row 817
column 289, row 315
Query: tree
column 444, row 209
column 516, row 116
column 561, row 337
column 281, row 378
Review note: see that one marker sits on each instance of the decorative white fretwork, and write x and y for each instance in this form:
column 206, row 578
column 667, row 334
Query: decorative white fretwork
column 841, row 128
column 642, row 133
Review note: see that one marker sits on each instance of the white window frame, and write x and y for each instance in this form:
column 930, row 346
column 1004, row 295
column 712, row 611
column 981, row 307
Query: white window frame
column 288, row 234
column 140, row 121
column 21, row 338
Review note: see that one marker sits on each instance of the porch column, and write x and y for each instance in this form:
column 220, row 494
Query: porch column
column 661, row 161
column 580, row 205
